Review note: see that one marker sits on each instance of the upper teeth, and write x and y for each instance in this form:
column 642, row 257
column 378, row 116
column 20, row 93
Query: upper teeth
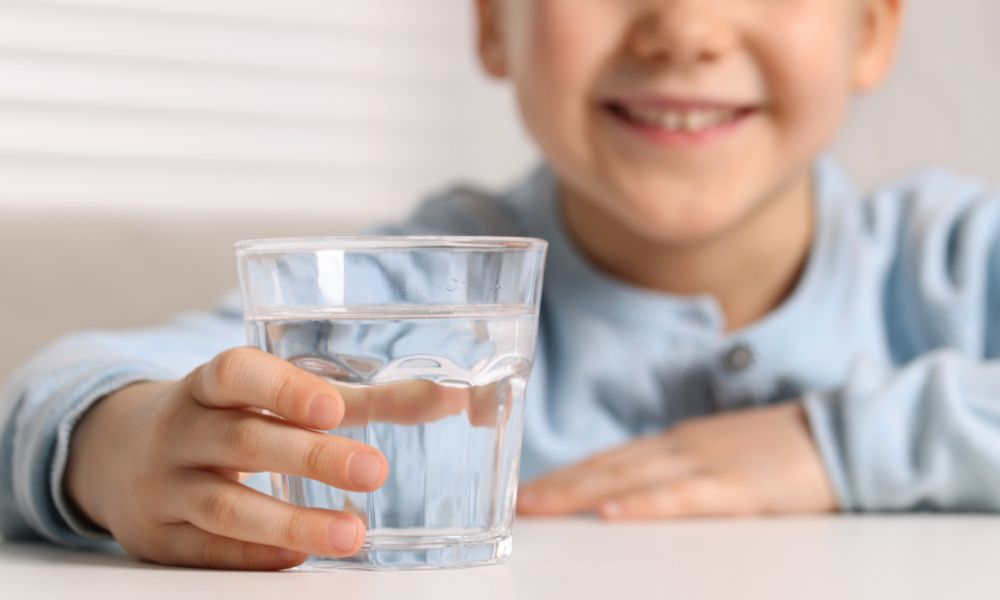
column 681, row 120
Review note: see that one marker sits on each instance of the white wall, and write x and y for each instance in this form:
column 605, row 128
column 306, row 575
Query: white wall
column 361, row 105
column 942, row 103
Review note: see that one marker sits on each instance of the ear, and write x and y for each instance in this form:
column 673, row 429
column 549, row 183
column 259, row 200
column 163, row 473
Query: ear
column 881, row 21
column 490, row 43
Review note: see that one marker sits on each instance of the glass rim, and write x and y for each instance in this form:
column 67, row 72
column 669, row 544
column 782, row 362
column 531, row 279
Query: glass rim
column 377, row 243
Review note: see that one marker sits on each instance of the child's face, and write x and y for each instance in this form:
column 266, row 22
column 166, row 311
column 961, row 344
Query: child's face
column 679, row 117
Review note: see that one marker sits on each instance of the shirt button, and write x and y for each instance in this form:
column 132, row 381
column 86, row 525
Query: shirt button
column 738, row 358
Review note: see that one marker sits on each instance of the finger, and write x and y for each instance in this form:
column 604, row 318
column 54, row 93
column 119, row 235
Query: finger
column 589, row 487
column 581, row 486
column 183, row 544
column 229, row 509
column 699, row 496
column 240, row 440
column 413, row 402
column 244, row 377
column 487, row 401
column 609, row 459
column 408, row 402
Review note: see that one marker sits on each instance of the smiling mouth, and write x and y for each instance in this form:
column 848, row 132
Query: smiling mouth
column 679, row 119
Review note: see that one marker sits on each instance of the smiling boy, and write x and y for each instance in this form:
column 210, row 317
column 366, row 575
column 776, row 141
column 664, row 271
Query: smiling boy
column 729, row 327
column 683, row 135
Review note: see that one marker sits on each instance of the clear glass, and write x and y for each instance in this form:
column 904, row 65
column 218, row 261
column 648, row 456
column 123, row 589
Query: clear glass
column 430, row 341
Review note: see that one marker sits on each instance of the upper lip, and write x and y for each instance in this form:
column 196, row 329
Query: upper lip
column 679, row 103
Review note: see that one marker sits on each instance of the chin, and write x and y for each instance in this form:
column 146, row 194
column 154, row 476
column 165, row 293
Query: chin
column 678, row 222
column 677, row 234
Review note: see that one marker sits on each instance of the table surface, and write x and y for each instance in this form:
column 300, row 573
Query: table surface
column 844, row 557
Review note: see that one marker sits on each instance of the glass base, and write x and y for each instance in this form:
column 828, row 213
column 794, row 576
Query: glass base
column 426, row 552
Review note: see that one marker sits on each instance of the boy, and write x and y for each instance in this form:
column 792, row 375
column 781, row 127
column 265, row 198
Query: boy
column 727, row 328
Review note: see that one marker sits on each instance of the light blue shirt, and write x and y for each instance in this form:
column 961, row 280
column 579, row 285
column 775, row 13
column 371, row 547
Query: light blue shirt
column 891, row 338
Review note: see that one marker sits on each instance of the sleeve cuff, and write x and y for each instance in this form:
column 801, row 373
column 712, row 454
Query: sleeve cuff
column 73, row 519
column 826, row 426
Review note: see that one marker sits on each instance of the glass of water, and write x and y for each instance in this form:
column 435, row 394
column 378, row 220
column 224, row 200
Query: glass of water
column 430, row 341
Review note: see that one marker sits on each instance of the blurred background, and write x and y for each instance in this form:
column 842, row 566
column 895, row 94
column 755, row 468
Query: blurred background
column 139, row 138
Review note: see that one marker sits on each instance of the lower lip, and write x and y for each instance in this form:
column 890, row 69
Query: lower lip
column 666, row 137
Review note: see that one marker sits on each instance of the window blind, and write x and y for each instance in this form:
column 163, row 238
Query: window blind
column 298, row 105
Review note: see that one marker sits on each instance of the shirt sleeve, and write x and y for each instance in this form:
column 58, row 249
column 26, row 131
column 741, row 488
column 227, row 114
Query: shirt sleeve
column 44, row 400
column 926, row 433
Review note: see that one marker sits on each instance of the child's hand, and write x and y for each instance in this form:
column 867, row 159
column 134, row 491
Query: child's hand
column 157, row 464
column 751, row 462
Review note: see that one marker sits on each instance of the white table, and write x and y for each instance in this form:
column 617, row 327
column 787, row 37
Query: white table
column 848, row 558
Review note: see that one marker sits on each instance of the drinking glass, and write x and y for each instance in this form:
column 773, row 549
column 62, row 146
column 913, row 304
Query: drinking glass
column 430, row 341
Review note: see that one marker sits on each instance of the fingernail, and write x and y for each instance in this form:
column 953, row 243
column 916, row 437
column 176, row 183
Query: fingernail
column 323, row 410
column 610, row 510
column 285, row 555
column 343, row 533
column 364, row 469
column 528, row 499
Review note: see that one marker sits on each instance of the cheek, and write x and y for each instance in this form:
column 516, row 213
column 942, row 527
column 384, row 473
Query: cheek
column 555, row 69
column 808, row 71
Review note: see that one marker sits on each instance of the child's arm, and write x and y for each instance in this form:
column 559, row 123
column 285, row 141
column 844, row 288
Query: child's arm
column 41, row 404
column 927, row 435
column 155, row 463
column 923, row 436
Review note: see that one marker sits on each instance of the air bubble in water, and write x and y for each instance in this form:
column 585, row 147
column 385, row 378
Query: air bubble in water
column 419, row 362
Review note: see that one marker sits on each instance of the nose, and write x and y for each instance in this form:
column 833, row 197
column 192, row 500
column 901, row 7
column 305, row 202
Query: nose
column 680, row 33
